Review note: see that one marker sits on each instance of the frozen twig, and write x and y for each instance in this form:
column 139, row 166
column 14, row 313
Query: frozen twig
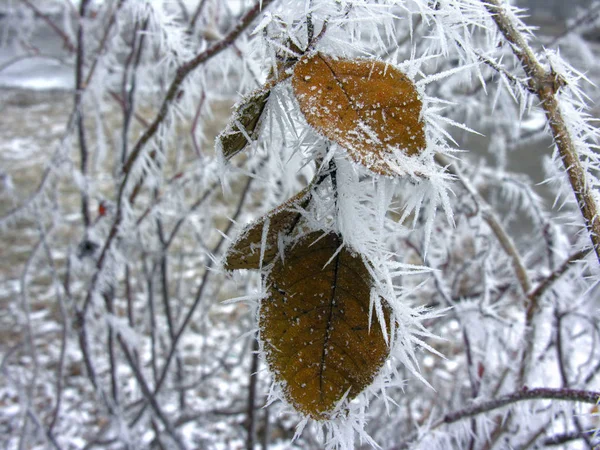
column 182, row 72
column 148, row 394
column 535, row 295
column 511, row 250
column 563, row 370
column 563, row 394
column 571, row 395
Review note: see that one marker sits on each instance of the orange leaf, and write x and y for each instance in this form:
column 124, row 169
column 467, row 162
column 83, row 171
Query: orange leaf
column 315, row 325
column 367, row 107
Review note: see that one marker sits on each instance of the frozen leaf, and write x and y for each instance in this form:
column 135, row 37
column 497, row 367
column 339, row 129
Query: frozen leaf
column 368, row 107
column 247, row 114
column 245, row 251
column 315, row 325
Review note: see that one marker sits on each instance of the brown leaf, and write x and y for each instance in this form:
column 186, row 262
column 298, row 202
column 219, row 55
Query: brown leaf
column 248, row 114
column 244, row 252
column 315, row 325
column 365, row 106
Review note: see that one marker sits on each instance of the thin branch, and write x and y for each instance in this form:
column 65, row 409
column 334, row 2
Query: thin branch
column 100, row 51
column 195, row 125
column 148, row 394
column 571, row 395
column 66, row 40
column 251, row 411
column 587, row 16
column 197, row 299
column 182, row 72
column 78, row 108
column 196, row 15
column 171, row 96
column 563, row 371
column 510, row 249
column 537, row 293
column 561, row 439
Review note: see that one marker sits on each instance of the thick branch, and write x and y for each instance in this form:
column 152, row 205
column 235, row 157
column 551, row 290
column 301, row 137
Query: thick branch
column 545, row 84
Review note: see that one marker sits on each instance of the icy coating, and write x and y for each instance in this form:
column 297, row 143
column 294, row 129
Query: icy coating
column 368, row 107
column 315, row 325
column 244, row 123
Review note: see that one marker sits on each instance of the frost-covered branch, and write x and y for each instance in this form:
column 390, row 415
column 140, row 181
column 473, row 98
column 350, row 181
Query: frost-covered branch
column 571, row 395
column 546, row 84
column 65, row 37
column 493, row 222
column 482, row 407
column 536, row 294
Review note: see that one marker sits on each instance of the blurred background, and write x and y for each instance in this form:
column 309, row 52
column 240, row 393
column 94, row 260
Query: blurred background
column 48, row 71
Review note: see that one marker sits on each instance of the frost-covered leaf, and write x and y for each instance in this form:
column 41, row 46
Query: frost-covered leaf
column 368, row 107
column 262, row 235
column 315, row 326
column 244, row 123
